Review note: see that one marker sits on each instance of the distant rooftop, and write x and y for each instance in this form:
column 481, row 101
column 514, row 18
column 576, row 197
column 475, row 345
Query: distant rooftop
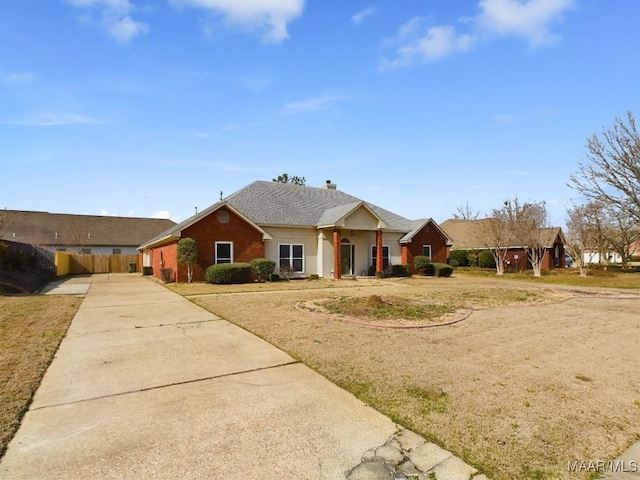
column 61, row 229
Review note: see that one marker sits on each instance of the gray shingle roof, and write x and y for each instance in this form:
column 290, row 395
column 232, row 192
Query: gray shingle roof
column 332, row 215
column 285, row 204
column 44, row 228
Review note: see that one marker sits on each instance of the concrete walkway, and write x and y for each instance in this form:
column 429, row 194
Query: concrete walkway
column 148, row 385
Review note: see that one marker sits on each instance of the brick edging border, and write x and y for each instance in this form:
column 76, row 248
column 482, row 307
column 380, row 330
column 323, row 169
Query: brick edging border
column 301, row 306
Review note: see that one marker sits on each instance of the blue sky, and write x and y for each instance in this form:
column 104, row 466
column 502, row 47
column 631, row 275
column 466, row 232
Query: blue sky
column 153, row 107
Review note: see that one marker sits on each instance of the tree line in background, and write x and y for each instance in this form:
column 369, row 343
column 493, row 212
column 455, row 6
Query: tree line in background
column 608, row 222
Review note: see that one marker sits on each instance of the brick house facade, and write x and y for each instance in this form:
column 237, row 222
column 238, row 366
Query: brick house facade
column 467, row 235
column 312, row 231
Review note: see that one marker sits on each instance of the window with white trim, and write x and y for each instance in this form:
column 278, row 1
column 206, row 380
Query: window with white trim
column 426, row 251
column 385, row 256
column 292, row 255
column 224, row 252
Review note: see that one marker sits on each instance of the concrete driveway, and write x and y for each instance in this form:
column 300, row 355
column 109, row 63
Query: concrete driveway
column 148, row 385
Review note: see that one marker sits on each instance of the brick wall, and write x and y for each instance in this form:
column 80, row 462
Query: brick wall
column 165, row 255
column 247, row 241
column 433, row 237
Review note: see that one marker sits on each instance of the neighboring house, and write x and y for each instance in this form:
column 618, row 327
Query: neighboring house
column 79, row 233
column 594, row 256
column 467, row 235
column 320, row 231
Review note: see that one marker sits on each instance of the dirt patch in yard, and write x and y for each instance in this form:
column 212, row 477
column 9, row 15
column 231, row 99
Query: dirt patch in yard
column 536, row 377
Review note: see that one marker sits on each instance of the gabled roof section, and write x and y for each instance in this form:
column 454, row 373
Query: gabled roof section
column 175, row 232
column 337, row 215
column 419, row 225
column 467, row 234
column 285, row 204
column 60, row 229
column 548, row 236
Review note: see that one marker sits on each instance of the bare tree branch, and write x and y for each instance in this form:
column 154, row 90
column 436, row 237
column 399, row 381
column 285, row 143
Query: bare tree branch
column 582, row 232
column 466, row 212
column 611, row 174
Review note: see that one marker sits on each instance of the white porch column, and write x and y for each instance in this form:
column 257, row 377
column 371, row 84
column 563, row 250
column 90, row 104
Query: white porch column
column 320, row 255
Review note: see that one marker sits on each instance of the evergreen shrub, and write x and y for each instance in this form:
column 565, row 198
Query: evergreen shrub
column 227, row 273
column 442, row 270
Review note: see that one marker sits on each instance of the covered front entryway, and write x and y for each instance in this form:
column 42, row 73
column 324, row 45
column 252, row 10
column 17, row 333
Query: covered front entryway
column 353, row 234
column 347, row 257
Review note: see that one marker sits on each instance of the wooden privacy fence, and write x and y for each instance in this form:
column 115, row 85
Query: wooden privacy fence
column 35, row 256
column 83, row 263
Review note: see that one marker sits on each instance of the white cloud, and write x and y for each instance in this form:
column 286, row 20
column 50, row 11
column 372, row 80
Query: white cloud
column 267, row 16
column 503, row 118
column 124, row 29
column 105, row 213
column 416, row 42
column 359, row 17
column 17, row 77
column 222, row 130
column 530, row 19
column 165, row 214
column 313, row 104
column 55, row 120
column 115, row 18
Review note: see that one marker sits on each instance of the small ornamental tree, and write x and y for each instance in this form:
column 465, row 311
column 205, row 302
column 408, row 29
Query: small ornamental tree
column 263, row 267
column 188, row 254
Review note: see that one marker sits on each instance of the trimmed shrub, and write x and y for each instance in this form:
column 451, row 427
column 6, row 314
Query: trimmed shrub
column 442, row 270
column 422, row 263
column 486, row 260
column 226, row 273
column 371, row 271
column 274, row 277
column 454, row 263
column 429, row 270
column 263, row 267
column 401, row 270
column 460, row 256
column 314, row 276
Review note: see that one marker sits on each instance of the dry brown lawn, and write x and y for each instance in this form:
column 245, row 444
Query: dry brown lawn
column 537, row 376
column 31, row 328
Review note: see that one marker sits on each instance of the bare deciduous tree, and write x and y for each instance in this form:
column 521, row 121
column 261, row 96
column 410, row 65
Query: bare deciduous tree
column 620, row 232
column 516, row 224
column 466, row 212
column 581, row 233
column 498, row 233
column 612, row 173
column 529, row 223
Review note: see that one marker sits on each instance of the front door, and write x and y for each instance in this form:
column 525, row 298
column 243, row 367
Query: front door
column 346, row 254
